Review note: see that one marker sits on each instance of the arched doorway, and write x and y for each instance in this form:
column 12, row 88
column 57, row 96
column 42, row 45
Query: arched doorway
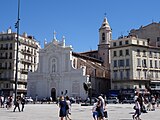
column 53, row 94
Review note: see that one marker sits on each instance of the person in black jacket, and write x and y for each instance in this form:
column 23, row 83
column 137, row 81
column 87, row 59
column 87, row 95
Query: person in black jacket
column 17, row 102
column 23, row 103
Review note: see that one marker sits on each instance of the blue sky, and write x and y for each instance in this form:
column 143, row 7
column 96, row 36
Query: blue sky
column 77, row 20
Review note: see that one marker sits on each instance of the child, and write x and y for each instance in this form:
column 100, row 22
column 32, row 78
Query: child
column 94, row 111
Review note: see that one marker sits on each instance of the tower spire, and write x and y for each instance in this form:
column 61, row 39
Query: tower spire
column 54, row 35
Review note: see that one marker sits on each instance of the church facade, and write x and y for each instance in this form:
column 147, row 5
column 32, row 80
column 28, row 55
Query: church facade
column 56, row 75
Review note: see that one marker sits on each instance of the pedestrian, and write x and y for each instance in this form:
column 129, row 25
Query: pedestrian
column 23, row 103
column 158, row 101
column 100, row 108
column 62, row 106
column 68, row 108
column 2, row 100
column 94, row 110
column 153, row 102
column 17, row 102
column 137, row 108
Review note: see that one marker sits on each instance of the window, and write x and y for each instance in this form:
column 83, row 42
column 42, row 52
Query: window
column 126, row 42
column 127, row 52
column 6, row 55
column 127, row 62
column 121, row 75
column 6, row 46
column 10, row 46
column 150, row 54
column 114, row 44
column 1, row 46
column 138, row 52
column 115, row 74
column 138, row 74
column 114, row 53
column 10, row 65
column 103, row 37
column 120, row 53
column 115, row 63
column 144, row 53
column 155, row 54
column 156, row 66
column 127, row 74
column 5, row 64
column 156, row 74
column 151, row 66
column 10, row 55
column 145, row 74
column 120, row 42
column 138, row 62
column 121, row 63
column 144, row 63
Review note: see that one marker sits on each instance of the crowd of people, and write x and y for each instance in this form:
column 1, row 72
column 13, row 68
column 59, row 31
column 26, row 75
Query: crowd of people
column 144, row 103
column 8, row 103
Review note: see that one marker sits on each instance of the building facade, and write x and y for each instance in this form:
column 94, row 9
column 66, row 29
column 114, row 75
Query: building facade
column 27, row 61
column 56, row 74
column 134, row 64
column 149, row 32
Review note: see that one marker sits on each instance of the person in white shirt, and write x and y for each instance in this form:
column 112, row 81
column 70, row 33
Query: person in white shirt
column 137, row 110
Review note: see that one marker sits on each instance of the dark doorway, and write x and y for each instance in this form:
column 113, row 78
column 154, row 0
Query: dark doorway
column 53, row 94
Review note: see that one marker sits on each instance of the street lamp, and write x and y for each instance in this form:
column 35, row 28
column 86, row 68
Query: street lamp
column 16, row 73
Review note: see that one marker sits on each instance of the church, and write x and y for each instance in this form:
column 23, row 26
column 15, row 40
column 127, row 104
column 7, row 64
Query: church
column 61, row 71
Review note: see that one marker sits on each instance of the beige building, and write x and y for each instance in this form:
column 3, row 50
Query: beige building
column 134, row 64
column 150, row 32
column 27, row 57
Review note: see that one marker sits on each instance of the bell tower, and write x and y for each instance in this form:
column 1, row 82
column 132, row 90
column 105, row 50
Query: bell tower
column 105, row 36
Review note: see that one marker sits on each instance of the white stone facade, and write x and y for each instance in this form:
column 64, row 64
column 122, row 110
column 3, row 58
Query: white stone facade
column 56, row 75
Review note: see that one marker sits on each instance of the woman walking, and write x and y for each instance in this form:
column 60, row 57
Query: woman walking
column 62, row 105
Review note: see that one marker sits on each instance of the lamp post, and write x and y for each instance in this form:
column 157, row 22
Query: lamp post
column 16, row 73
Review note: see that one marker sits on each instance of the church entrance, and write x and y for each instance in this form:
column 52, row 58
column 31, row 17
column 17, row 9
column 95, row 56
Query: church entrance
column 53, row 94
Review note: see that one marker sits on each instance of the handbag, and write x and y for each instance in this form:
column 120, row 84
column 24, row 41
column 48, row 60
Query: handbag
column 105, row 114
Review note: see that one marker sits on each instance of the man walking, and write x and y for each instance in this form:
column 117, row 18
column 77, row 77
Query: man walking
column 17, row 104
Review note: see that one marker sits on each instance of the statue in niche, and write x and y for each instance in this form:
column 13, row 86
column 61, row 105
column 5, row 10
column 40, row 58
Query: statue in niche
column 53, row 65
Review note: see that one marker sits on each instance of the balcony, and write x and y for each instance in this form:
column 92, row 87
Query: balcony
column 29, row 44
column 26, row 61
column 24, row 71
column 26, row 52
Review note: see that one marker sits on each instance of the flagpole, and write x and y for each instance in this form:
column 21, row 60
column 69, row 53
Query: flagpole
column 16, row 73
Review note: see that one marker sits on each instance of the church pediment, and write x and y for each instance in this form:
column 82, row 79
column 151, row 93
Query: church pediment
column 52, row 48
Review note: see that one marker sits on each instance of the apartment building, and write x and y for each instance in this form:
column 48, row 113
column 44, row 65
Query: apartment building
column 134, row 64
column 28, row 54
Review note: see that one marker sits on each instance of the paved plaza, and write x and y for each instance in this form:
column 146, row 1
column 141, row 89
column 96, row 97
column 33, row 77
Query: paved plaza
column 50, row 112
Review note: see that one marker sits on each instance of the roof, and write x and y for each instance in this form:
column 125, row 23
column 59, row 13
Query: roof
column 86, row 57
